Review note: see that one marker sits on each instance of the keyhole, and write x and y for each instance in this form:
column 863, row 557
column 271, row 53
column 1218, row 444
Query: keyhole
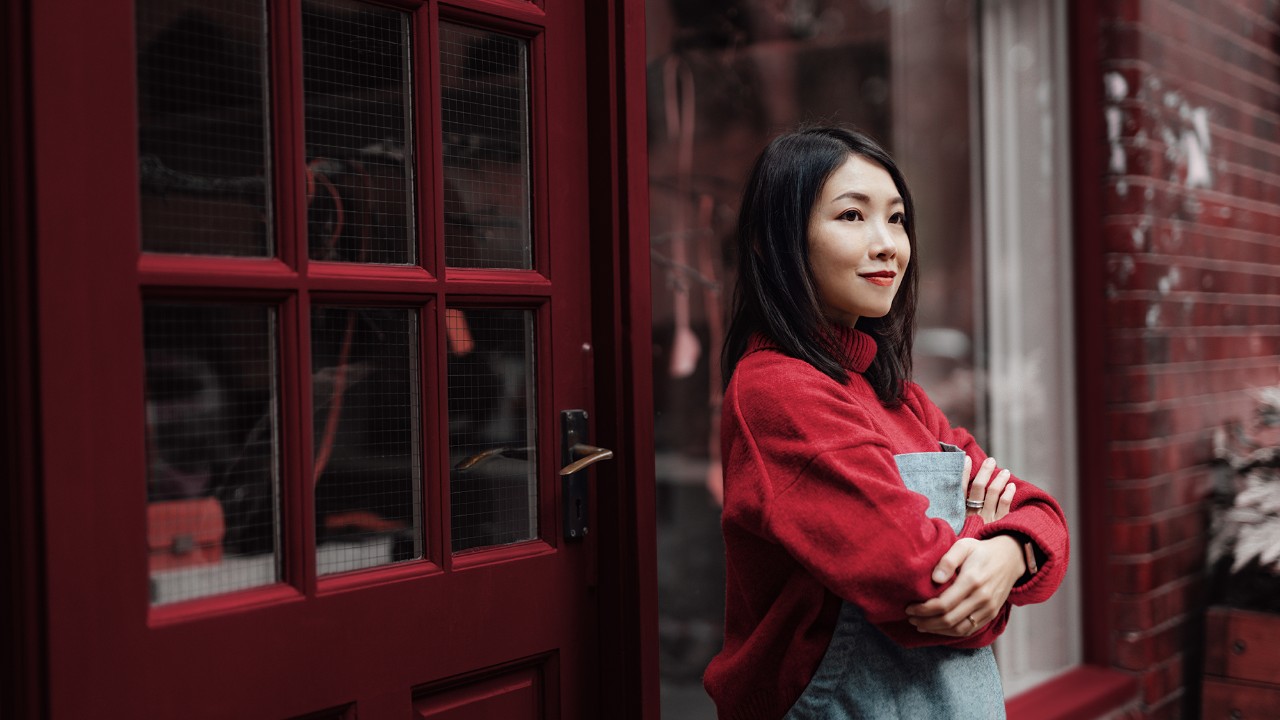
column 577, row 507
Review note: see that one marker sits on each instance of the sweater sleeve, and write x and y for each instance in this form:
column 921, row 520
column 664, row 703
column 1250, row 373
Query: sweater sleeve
column 837, row 504
column 1034, row 513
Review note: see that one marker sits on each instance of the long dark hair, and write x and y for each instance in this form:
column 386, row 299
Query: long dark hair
column 776, row 295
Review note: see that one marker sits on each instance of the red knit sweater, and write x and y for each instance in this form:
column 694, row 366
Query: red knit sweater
column 816, row 512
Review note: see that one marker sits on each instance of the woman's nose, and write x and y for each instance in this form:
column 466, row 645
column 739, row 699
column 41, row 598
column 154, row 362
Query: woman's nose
column 882, row 244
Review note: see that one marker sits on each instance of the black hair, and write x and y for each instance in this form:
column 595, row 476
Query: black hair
column 775, row 293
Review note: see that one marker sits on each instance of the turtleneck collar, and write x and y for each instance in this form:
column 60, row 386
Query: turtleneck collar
column 853, row 348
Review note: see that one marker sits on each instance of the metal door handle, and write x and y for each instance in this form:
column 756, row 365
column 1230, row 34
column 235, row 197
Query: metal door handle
column 587, row 455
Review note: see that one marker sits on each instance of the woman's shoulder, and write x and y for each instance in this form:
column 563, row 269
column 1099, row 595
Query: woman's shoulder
column 769, row 383
column 766, row 370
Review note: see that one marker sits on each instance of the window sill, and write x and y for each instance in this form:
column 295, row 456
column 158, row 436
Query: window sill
column 1088, row 691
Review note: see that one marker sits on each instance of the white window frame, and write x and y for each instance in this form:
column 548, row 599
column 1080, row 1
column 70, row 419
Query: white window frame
column 1027, row 261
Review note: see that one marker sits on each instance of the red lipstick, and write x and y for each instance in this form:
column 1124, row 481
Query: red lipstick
column 883, row 278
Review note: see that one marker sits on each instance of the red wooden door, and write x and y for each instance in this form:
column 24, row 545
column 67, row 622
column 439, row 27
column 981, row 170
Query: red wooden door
column 313, row 293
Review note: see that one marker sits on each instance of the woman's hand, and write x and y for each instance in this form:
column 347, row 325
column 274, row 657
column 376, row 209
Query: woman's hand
column 995, row 494
column 985, row 572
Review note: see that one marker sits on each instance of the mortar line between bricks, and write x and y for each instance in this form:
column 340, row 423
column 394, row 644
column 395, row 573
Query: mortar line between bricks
column 1168, row 326
column 1270, row 364
column 1255, row 17
column 1204, row 90
column 1202, row 263
column 1245, row 204
column 1268, row 361
column 1261, row 51
column 1159, row 444
column 1161, row 516
column 1177, row 296
column 1164, row 552
column 1157, row 480
column 1207, row 60
column 1155, row 147
column 1173, row 696
column 1174, row 586
column 1157, row 629
column 1251, row 142
column 1177, row 403
column 1254, row 237
column 1193, row 331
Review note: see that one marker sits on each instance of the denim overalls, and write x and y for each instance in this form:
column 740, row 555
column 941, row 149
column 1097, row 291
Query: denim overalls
column 864, row 674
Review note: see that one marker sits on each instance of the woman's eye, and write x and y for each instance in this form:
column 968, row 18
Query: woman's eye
column 897, row 219
column 851, row 215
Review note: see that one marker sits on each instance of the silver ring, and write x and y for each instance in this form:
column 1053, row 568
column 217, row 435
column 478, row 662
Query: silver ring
column 972, row 504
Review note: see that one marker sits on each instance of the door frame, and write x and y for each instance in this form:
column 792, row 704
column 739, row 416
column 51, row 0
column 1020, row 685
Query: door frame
column 621, row 338
column 21, row 693
column 619, row 172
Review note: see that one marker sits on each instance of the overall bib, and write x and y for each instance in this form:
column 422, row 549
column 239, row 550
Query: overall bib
column 864, row 674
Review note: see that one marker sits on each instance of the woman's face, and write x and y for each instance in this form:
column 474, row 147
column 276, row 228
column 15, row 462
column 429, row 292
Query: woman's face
column 858, row 247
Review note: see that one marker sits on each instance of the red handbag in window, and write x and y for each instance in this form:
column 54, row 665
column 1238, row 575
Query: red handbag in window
column 181, row 533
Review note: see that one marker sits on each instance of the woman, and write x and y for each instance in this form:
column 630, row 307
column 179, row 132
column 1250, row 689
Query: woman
column 857, row 584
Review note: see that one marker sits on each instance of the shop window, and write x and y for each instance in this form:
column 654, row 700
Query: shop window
column 724, row 78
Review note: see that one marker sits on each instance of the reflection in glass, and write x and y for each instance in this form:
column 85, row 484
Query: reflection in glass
column 493, row 484
column 356, row 81
column 725, row 78
column 203, row 127
column 367, row 475
column 484, row 108
column 212, row 449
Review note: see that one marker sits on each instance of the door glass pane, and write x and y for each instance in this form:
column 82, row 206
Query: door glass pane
column 367, row 419
column 358, row 132
column 484, row 107
column 204, row 157
column 212, row 449
column 493, row 483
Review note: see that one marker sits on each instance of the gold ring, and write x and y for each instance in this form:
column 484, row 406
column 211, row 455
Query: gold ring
column 975, row 622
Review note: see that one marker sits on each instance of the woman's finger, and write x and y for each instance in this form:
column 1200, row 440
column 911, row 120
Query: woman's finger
column 978, row 488
column 956, row 622
column 1006, row 501
column 992, row 498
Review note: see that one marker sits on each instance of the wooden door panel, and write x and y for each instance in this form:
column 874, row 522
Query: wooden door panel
column 517, row 695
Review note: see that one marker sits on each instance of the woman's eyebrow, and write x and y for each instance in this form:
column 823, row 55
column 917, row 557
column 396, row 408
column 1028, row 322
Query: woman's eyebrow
column 862, row 197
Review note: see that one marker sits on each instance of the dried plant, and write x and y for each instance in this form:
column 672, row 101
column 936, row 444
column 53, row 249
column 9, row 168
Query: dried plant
column 1244, row 547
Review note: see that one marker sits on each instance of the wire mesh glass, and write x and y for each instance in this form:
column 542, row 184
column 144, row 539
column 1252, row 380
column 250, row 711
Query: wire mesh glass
column 358, row 95
column 484, row 105
column 212, row 449
column 367, row 418
column 493, row 482
column 204, row 154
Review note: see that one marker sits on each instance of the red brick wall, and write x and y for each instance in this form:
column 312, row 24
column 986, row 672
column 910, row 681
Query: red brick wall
column 1190, row 221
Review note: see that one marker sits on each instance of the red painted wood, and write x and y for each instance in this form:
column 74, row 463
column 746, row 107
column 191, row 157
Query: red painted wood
column 1237, row 700
column 200, row 275
column 513, row 695
column 1243, row 645
column 1087, row 171
column 362, row 641
column 623, row 355
column 529, row 282
column 502, row 10
column 1085, row 692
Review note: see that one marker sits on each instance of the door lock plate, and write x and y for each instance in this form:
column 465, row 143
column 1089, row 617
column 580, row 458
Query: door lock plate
column 574, row 490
